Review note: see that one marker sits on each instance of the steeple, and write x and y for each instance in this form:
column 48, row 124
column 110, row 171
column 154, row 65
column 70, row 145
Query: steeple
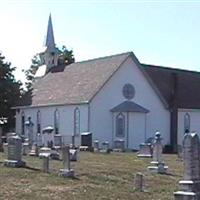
column 49, row 57
column 50, row 36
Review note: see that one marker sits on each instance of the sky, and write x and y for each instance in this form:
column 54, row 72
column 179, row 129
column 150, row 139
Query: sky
column 161, row 32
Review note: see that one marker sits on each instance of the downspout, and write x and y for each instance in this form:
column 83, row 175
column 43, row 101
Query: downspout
column 127, row 141
column 174, row 113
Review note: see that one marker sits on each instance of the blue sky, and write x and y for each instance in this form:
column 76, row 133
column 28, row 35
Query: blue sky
column 161, row 32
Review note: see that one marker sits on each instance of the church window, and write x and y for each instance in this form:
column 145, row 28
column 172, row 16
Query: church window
column 38, row 121
column 22, row 123
column 120, row 125
column 56, row 121
column 186, row 123
column 76, row 121
column 128, row 91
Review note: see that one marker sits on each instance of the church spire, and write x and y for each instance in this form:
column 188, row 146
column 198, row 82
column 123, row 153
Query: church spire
column 50, row 36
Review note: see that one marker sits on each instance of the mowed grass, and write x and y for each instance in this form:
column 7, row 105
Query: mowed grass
column 98, row 176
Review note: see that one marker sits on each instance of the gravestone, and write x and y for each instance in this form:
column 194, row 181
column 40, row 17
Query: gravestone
column 45, row 162
column 34, row 150
column 105, row 147
column 5, row 148
column 158, row 165
column 25, row 148
column 190, row 185
column 14, row 156
column 96, row 145
column 58, row 140
column 73, row 154
column 139, row 182
column 39, row 140
column 66, row 171
column 29, row 131
column 44, row 151
column 119, row 145
column 145, row 150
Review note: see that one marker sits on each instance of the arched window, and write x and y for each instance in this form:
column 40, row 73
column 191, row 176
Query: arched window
column 120, row 125
column 76, row 121
column 22, row 123
column 56, row 121
column 38, row 121
column 187, row 123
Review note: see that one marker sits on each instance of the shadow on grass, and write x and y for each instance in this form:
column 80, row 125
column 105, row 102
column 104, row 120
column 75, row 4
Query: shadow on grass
column 32, row 168
column 170, row 174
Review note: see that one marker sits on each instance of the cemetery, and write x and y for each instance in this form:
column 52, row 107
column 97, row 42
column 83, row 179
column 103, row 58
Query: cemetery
column 116, row 133
column 99, row 174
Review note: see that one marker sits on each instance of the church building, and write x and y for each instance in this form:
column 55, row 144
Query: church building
column 115, row 98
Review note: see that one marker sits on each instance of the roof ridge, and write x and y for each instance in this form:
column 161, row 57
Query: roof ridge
column 170, row 68
column 104, row 57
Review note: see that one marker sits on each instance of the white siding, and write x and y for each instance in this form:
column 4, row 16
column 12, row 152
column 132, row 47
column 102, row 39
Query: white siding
column 111, row 95
column 194, row 122
column 66, row 118
column 137, row 129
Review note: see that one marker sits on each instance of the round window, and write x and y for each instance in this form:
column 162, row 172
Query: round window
column 128, row 91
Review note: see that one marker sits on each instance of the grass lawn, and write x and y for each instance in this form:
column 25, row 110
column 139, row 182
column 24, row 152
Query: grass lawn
column 99, row 176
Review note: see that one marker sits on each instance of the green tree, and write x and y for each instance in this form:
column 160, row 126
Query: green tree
column 29, row 74
column 65, row 57
column 10, row 92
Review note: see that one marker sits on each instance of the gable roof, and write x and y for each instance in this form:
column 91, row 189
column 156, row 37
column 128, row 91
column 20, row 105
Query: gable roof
column 129, row 106
column 79, row 82
column 75, row 83
column 177, row 86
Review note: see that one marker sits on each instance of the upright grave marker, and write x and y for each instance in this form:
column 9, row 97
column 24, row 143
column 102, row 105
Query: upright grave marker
column 66, row 171
column 139, row 182
column 158, row 165
column 14, row 152
column 190, row 185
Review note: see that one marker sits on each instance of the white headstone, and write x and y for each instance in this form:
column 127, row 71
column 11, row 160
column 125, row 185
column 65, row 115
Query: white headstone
column 158, row 164
column 190, row 186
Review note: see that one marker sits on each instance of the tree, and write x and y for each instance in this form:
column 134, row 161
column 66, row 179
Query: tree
column 31, row 71
column 10, row 92
column 66, row 55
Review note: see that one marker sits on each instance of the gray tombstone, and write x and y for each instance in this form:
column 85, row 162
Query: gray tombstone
column 14, row 152
column 66, row 171
column 139, row 182
column 96, row 145
column 5, row 148
column 58, row 140
column 190, row 185
column 105, row 147
column 158, row 165
column 34, row 150
column 45, row 162
column 119, row 145
column 39, row 140
column 25, row 148
column 29, row 131
column 145, row 150
column 73, row 154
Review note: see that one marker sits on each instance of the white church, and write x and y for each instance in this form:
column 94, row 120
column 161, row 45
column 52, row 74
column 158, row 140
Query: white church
column 115, row 98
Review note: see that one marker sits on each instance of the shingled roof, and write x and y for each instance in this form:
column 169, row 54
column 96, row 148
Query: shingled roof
column 181, row 87
column 79, row 82
column 75, row 83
